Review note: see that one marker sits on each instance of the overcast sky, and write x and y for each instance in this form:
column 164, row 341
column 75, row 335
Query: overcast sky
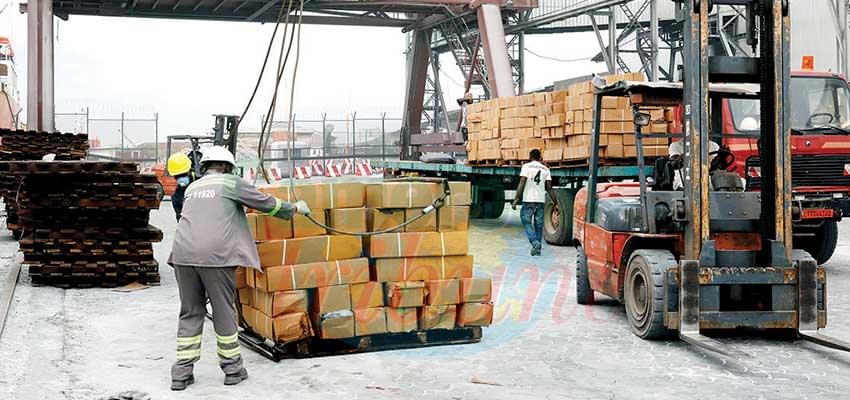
column 186, row 71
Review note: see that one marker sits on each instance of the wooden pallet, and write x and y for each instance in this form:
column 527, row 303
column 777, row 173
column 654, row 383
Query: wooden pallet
column 315, row 347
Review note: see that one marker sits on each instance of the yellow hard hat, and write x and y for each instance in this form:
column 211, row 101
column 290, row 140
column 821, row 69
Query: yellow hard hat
column 179, row 164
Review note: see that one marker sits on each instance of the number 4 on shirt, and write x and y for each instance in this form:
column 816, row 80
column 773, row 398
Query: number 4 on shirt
column 537, row 177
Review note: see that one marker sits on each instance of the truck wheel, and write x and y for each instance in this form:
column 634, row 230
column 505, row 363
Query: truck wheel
column 825, row 240
column 494, row 207
column 558, row 218
column 584, row 294
column 644, row 292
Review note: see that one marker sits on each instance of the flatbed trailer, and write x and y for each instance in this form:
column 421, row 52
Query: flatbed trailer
column 489, row 184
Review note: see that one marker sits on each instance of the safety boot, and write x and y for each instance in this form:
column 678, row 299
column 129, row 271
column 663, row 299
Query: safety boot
column 235, row 379
column 178, row 385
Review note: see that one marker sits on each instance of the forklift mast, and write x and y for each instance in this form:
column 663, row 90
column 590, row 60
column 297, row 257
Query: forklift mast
column 771, row 71
column 225, row 132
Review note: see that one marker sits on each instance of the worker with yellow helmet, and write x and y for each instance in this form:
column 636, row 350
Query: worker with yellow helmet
column 180, row 167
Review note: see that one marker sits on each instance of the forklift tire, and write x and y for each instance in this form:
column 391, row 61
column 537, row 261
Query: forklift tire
column 643, row 293
column 823, row 245
column 584, row 294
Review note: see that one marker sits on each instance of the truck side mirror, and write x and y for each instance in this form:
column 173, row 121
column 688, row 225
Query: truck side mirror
column 642, row 119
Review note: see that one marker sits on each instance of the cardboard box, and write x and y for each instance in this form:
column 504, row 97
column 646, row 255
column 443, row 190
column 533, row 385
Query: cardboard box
column 348, row 220
column 418, row 244
column 402, row 194
column 475, row 314
column 308, row 250
column 245, row 295
column 273, row 228
column 252, row 224
column 442, row 292
column 311, row 275
column 367, row 295
column 437, row 317
column 455, row 218
column 277, row 303
column 286, row 328
column 370, row 321
column 316, row 195
column 553, row 154
column 379, row 220
column 401, row 319
column 475, row 290
column 405, row 294
column 304, row 227
column 241, row 277
column 347, row 195
column 335, row 325
column 277, row 190
column 426, row 223
column 331, row 298
column 422, row 268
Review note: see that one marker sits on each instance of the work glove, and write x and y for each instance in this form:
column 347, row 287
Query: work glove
column 302, row 208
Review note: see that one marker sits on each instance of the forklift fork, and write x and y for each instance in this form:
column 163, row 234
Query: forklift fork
column 689, row 313
column 807, row 326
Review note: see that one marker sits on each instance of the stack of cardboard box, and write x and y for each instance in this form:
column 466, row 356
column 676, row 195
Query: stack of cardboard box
column 318, row 283
column 426, row 269
column 560, row 124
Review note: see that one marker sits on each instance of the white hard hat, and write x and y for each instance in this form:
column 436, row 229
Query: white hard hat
column 218, row 153
column 749, row 124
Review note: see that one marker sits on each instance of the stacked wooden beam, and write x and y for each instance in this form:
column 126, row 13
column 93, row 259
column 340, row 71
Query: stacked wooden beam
column 30, row 145
column 84, row 223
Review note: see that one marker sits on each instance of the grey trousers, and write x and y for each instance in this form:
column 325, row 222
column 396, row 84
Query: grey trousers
column 196, row 284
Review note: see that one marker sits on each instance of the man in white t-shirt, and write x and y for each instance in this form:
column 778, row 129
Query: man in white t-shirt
column 534, row 182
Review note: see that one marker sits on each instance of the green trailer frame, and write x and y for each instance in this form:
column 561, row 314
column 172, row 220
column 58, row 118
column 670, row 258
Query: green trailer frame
column 490, row 183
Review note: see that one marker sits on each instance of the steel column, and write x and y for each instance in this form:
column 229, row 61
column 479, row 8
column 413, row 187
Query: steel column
column 495, row 50
column 653, row 39
column 40, row 106
column 418, row 57
column 612, row 37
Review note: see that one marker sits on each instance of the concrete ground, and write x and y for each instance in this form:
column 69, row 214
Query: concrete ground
column 98, row 343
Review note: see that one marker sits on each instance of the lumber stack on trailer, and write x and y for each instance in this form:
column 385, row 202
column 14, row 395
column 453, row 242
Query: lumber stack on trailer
column 503, row 131
column 18, row 145
column 84, row 223
column 319, row 286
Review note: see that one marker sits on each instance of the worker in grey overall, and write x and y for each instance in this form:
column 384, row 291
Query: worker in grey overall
column 212, row 239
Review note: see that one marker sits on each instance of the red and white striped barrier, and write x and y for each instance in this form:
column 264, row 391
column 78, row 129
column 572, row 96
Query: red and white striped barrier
column 333, row 171
column 318, row 168
column 362, row 170
column 302, row 173
column 347, row 166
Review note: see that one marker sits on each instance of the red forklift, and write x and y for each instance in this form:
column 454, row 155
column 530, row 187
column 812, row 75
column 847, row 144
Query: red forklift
column 689, row 249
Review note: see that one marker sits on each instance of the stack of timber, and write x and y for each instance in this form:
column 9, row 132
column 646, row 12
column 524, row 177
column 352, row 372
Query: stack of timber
column 84, row 223
column 18, row 145
column 319, row 290
column 503, row 131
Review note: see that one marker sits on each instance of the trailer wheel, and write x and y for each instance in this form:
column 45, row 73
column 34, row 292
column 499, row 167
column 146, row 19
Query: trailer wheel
column 558, row 218
column 584, row 294
column 825, row 240
column 644, row 292
column 496, row 205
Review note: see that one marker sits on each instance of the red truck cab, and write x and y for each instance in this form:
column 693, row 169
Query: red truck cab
column 820, row 150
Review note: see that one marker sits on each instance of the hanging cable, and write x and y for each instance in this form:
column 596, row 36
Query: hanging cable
column 557, row 59
column 295, row 34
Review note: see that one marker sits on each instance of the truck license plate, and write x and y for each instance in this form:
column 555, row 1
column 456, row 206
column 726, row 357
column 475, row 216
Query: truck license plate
column 818, row 213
